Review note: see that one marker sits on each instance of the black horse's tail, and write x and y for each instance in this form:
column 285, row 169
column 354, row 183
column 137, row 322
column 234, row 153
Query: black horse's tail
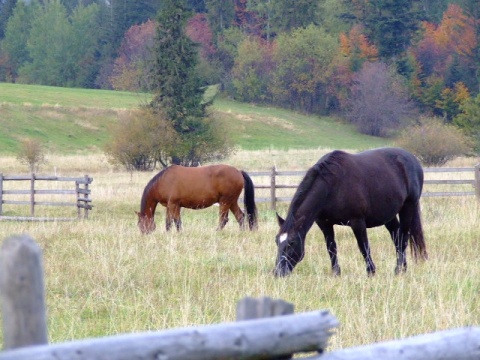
column 417, row 242
column 249, row 201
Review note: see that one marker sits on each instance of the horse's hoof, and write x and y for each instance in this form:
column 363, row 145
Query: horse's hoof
column 336, row 271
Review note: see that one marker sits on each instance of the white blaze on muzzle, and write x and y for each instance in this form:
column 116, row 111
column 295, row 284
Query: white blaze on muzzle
column 283, row 237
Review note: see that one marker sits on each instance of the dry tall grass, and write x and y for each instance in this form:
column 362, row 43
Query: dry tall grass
column 103, row 277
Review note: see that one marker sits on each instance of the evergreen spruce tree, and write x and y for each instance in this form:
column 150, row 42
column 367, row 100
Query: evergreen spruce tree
column 176, row 84
column 391, row 25
column 178, row 93
column 288, row 15
column 6, row 10
column 221, row 14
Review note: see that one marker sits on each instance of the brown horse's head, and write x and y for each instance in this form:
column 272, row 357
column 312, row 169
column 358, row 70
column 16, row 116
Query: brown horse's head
column 145, row 224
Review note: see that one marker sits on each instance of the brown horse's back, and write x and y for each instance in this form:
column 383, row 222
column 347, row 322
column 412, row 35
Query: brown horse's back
column 199, row 187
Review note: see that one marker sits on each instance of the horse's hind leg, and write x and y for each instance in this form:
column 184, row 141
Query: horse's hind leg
column 223, row 215
column 400, row 242
column 406, row 217
column 238, row 213
column 360, row 230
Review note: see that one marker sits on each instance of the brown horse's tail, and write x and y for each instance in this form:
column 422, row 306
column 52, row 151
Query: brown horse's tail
column 417, row 242
column 249, row 201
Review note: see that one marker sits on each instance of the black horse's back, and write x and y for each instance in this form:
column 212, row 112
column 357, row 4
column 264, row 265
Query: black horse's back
column 407, row 165
column 372, row 188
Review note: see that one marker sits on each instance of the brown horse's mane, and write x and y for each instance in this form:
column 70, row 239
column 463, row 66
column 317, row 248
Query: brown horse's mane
column 147, row 189
column 325, row 167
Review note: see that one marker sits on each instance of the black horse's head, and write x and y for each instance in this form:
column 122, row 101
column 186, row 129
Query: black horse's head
column 290, row 243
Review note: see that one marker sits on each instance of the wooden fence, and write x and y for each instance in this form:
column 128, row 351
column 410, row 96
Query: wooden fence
column 81, row 191
column 271, row 181
column 265, row 329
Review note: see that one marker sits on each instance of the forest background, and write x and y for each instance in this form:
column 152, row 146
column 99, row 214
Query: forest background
column 323, row 57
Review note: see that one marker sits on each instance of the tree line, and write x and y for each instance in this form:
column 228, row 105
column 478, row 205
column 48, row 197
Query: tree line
column 378, row 64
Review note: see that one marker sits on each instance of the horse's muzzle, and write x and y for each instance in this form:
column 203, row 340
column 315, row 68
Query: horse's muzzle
column 283, row 268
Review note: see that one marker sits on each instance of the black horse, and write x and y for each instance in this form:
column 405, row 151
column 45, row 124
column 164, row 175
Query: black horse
column 361, row 190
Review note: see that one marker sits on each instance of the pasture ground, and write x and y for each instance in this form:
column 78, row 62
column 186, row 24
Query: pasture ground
column 103, row 277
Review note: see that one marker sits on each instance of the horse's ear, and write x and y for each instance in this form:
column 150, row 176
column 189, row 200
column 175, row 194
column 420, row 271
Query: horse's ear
column 280, row 220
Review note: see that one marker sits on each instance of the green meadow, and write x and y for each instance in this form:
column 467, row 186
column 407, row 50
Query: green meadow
column 70, row 121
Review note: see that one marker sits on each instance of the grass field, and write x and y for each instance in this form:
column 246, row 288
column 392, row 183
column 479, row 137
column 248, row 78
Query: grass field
column 103, row 277
column 70, row 121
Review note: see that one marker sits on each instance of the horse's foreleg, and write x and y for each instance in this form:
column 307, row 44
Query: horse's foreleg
column 393, row 227
column 329, row 235
column 173, row 214
column 168, row 221
column 178, row 223
column 176, row 217
column 360, row 230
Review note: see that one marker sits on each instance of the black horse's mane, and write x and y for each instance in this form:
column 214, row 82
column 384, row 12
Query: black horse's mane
column 148, row 187
column 325, row 167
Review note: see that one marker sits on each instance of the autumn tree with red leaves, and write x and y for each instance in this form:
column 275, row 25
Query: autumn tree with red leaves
column 131, row 68
column 356, row 47
column 445, row 61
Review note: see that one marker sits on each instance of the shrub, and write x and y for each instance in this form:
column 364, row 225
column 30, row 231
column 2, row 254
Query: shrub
column 145, row 137
column 469, row 119
column 136, row 140
column 31, row 153
column 378, row 104
column 434, row 142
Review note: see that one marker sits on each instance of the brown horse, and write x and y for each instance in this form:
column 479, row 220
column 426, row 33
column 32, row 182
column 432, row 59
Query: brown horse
column 197, row 188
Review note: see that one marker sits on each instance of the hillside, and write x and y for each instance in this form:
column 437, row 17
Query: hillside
column 75, row 120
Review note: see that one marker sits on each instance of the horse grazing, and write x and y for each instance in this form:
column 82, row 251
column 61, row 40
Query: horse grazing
column 361, row 190
column 197, row 188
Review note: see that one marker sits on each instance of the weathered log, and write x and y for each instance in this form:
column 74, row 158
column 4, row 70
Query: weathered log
column 250, row 339
column 455, row 344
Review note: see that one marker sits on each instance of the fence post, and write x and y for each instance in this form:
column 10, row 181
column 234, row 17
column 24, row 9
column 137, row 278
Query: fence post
column 22, row 291
column 86, row 208
column 273, row 187
column 77, row 189
column 1, row 193
column 250, row 308
column 32, row 195
column 477, row 181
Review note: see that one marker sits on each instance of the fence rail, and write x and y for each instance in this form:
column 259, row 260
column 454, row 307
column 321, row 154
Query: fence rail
column 273, row 184
column 81, row 191
column 265, row 329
